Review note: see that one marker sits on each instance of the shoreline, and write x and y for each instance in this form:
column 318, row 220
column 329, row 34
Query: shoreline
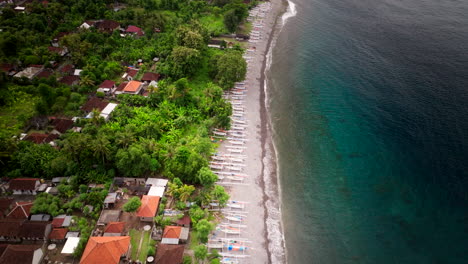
column 258, row 193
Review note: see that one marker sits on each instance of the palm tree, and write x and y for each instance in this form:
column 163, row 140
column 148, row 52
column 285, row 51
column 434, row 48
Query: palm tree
column 125, row 138
column 86, row 81
column 101, row 148
column 185, row 191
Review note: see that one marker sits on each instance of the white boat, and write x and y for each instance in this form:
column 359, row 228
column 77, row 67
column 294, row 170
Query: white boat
column 219, row 133
column 236, row 150
column 237, row 143
column 235, row 205
column 218, row 158
column 232, row 231
column 235, row 178
column 235, row 218
column 239, row 121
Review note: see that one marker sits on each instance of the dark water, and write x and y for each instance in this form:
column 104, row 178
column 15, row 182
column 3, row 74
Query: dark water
column 369, row 102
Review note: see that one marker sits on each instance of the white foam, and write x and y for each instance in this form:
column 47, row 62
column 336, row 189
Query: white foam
column 290, row 12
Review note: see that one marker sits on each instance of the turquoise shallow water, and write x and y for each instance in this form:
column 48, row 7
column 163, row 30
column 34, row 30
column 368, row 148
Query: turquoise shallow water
column 368, row 102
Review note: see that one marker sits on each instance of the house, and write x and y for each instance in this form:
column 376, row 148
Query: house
column 175, row 235
column 24, row 254
column 5, row 206
column 134, row 31
column 40, row 217
column 56, row 40
column 30, row 72
column 108, row 250
column 107, row 86
column 9, row 229
column 156, row 182
column 108, row 26
column 61, row 125
column 149, row 208
column 185, row 221
column 106, row 112
column 57, row 180
column 70, row 245
column 87, row 24
column 94, row 103
column 70, row 80
column 31, row 230
column 215, row 43
column 39, row 138
column 58, row 235
column 110, row 200
column 150, row 77
column 67, row 69
column 61, row 221
column 170, row 254
column 57, row 50
column 45, row 73
column 120, row 88
column 130, row 74
column 8, row 68
column 108, row 216
column 156, row 191
column 24, row 185
column 114, row 229
column 133, row 87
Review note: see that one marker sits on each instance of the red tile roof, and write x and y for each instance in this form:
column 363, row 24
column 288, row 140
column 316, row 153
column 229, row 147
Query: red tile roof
column 169, row 254
column 132, row 29
column 150, row 76
column 107, row 25
column 57, row 222
column 23, row 184
column 18, row 254
column 62, row 125
column 185, row 220
column 149, row 206
column 58, row 233
column 115, row 227
column 46, row 73
column 5, row 203
column 107, row 84
column 132, row 72
column 22, row 210
column 10, row 227
column 108, row 250
column 121, row 86
column 56, row 49
column 172, row 232
column 67, row 68
column 94, row 103
column 70, row 80
column 36, row 138
column 34, row 229
column 132, row 86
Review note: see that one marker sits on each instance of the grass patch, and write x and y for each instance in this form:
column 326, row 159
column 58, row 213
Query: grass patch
column 194, row 241
column 144, row 246
column 135, row 236
column 214, row 24
column 14, row 117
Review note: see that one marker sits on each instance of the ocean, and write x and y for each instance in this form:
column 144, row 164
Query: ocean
column 368, row 102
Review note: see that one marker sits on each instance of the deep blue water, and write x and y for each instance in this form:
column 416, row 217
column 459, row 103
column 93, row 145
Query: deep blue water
column 369, row 105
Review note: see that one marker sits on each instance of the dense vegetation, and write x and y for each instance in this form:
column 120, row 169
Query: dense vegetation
column 163, row 134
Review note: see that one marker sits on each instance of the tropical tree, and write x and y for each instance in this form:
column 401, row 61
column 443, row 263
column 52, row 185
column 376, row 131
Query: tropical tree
column 183, row 61
column 219, row 193
column 201, row 252
column 185, row 191
column 231, row 68
column 132, row 205
column 100, row 146
column 206, row 177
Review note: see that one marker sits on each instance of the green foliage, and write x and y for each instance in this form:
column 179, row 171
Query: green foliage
column 234, row 15
column 132, row 205
column 219, row 193
column 206, row 177
column 35, row 160
column 187, row 260
column 183, row 61
column 201, row 252
column 196, row 214
column 204, row 227
column 230, row 68
column 47, row 204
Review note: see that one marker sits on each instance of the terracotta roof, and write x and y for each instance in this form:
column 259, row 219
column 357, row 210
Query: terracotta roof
column 46, row 73
column 94, row 103
column 149, row 206
column 169, row 254
column 23, row 184
column 36, row 138
column 107, row 25
column 106, row 250
column 22, row 210
column 67, row 68
column 121, row 86
column 62, row 125
column 150, row 76
column 184, row 220
column 132, row 72
column 132, row 29
column 58, row 233
column 132, row 86
column 115, row 227
column 172, row 232
column 10, row 227
column 57, row 222
column 34, row 229
column 18, row 254
column 107, row 84
column 51, row 137
column 5, row 203
column 61, row 35
column 6, row 67
column 56, row 49
column 70, row 80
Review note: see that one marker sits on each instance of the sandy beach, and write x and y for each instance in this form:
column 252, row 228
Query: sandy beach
column 257, row 193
